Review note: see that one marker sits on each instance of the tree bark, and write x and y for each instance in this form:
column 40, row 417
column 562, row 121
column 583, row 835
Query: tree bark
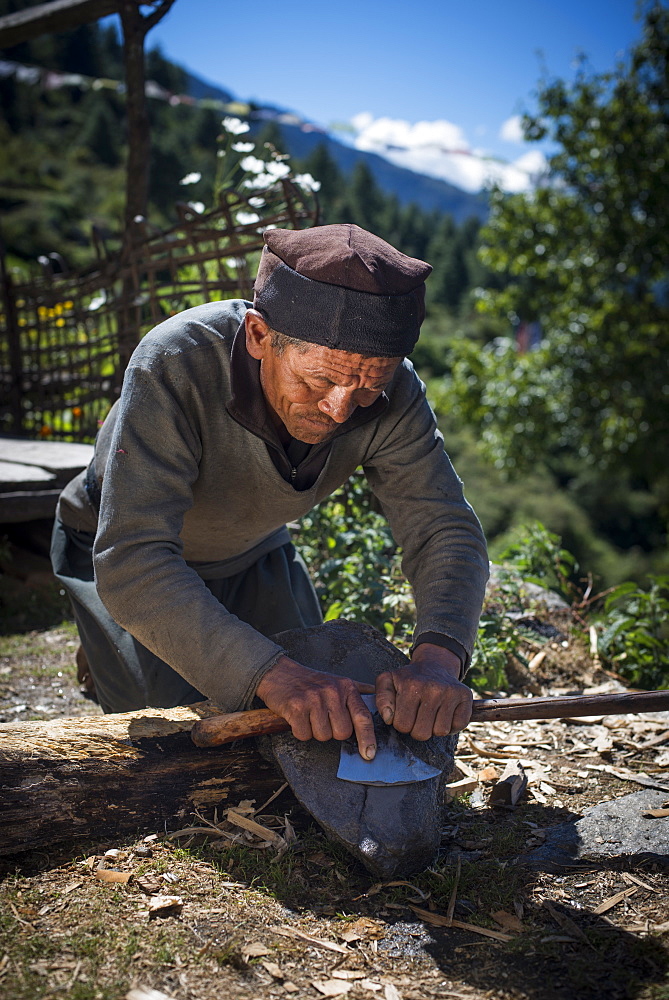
column 135, row 27
column 47, row 18
column 116, row 774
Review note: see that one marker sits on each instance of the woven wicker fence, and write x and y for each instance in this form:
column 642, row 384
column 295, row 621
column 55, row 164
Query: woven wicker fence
column 65, row 339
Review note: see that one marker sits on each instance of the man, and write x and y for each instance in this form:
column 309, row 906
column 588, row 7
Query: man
column 233, row 421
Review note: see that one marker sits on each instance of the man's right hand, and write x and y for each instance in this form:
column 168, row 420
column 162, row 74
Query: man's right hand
column 318, row 705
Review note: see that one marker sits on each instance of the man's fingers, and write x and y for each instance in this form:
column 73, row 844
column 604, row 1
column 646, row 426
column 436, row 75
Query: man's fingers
column 462, row 714
column 364, row 688
column 301, row 728
column 385, row 697
column 321, row 727
column 423, row 727
column 443, row 723
column 363, row 727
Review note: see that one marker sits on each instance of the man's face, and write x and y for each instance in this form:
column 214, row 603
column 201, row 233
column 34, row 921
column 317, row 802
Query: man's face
column 310, row 393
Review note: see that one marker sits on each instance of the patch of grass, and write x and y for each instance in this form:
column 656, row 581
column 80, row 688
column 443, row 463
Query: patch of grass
column 35, row 644
column 24, row 608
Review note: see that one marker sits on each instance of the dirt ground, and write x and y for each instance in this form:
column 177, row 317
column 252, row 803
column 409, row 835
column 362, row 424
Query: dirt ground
column 198, row 917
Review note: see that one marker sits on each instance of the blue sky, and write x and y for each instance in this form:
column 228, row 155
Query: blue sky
column 429, row 77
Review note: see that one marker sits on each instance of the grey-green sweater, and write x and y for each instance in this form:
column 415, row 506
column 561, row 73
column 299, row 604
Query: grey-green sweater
column 190, row 492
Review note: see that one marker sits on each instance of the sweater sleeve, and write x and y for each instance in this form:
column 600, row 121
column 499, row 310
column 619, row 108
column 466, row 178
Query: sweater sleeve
column 141, row 575
column 444, row 551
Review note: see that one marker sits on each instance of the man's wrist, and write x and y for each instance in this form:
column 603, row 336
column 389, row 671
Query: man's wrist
column 445, row 658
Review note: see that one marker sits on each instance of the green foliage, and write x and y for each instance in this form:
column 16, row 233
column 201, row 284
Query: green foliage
column 634, row 632
column 355, row 563
column 587, row 254
column 497, row 639
column 538, row 557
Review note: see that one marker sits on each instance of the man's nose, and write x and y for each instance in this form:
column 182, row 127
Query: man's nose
column 338, row 404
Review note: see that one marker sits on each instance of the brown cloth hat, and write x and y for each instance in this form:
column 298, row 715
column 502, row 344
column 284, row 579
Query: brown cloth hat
column 342, row 287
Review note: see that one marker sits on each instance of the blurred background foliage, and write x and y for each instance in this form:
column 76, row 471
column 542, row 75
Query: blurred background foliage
column 573, row 432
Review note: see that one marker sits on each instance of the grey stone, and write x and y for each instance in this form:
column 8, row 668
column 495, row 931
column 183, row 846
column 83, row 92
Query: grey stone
column 609, row 829
column 532, row 592
column 393, row 829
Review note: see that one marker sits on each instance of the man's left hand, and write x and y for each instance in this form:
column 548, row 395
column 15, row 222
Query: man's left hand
column 425, row 697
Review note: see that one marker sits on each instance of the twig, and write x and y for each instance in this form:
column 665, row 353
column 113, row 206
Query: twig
column 454, row 893
column 440, row 921
column 612, row 901
column 275, row 795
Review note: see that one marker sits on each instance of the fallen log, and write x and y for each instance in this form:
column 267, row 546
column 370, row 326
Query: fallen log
column 72, row 778
column 116, row 774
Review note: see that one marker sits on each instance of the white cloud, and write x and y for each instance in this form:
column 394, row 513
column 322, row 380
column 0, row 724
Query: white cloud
column 441, row 149
column 512, row 129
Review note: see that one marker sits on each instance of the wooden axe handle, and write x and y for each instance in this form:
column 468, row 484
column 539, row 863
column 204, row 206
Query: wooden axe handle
column 218, row 729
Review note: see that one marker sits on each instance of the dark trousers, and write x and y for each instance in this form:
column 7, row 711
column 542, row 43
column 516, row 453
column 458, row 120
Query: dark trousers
column 272, row 595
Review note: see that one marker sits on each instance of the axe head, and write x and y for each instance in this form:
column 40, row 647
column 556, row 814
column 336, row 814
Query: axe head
column 394, row 763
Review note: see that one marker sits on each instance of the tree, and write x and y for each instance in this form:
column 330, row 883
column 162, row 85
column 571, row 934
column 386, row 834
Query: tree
column 586, row 254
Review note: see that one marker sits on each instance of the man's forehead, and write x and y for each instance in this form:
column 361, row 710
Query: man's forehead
column 326, row 361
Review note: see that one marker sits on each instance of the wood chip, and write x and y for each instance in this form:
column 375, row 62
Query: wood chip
column 537, row 660
column 289, row 986
column 391, row 992
column 628, row 877
column 146, row 993
column 511, row 786
column 656, row 741
column 164, row 906
column 465, row 769
column 363, row 928
column 332, row 987
column 489, row 773
column 263, row 832
column 509, row 921
column 151, row 886
column 254, row 950
column 71, row 886
column 566, row 923
column 370, row 984
column 319, row 942
column 348, row 974
column 612, row 901
column 437, row 920
column 625, row 775
column 655, row 813
column 273, row 969
column 460, row 787
column 108, row 875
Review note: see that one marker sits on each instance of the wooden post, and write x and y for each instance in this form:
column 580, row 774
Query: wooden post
column 135, row 27
column 14, row 344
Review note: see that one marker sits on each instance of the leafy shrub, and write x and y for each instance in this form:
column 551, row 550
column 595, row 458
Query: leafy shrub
column 537, row 556
column 355, row 563
column 634, row 632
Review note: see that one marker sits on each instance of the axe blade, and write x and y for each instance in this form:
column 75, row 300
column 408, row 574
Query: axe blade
column 394, row 763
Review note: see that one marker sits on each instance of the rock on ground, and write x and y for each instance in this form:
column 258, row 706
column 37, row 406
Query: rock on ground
column 608, row 829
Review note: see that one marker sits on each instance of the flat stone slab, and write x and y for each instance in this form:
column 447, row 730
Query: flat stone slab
column 12, row 473
column 55, row 456
column 607, row 830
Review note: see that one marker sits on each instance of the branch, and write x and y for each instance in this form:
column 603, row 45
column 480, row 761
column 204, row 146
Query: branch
column 151, row 20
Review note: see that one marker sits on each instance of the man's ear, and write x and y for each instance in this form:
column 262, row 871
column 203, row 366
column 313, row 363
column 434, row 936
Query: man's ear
column 258, row 334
